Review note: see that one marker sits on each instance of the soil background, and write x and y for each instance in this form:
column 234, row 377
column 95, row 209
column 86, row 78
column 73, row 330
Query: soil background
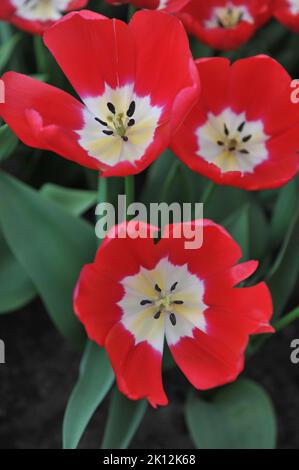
column 41, row 370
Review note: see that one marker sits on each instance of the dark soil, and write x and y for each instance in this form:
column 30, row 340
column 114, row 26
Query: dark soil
column 40, row 372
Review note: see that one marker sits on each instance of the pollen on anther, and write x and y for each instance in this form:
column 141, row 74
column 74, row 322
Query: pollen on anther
column 241, row 126
column 103, row 123
column 111, row 108
column 172, row 318
column 131, row 109
column 173, row 286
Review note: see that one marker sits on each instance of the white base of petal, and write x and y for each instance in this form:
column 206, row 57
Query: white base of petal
column 231, row 142
column 228, row 16
column 169, row 289
column 40, row 10
column 126, row 143
column 294, row 6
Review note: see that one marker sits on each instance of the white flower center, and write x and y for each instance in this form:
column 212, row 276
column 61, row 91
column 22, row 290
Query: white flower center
column 119, row 125
column 294, row 6
column 40, row 10
column 167, row 300
column 162, row 4
column 231, row 142
column 228, row 17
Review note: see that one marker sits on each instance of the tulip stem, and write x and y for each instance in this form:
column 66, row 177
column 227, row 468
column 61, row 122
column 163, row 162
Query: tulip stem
column 102, row 196
column 208, row 192
column 286, row 319
column 129, row 190
column 131, row 11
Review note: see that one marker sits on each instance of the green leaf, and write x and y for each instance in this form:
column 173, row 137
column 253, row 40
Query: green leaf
column 7, row 50
column 94, row 382
column 75, row 201
column 237, row 416
column 225, row 201
column 163, row 183
column 284, row 273
column 16, row 289
column 51, row 245
column 8, row 142
column 249, row 227
column 238, row 226
column 283, row 212
column 124, row 418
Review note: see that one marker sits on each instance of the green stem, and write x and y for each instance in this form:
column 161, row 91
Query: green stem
column 102, row 195
column 131, row 11
column 40, row 55
column 169, row 179
column 287, row 319
column 129, row 190
column 208, row 192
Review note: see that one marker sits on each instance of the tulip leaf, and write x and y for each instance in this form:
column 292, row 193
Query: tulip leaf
column 249, row 227
column 51, row 245
column 284, row 273
column 16, row 289
column 237, row 416
column 283, row 212
column 75, row 201
column 7, row 49
column 163, row 182
column 124, row 418
column 238, row 225
column 225, row 201
column 8, row 142
column 95, row 380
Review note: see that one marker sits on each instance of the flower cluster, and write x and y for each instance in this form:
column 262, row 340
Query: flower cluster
column 225, row 24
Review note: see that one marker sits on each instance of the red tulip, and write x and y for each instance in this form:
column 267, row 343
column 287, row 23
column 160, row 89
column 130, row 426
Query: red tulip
column 137, row 292
column 287, row 12
column 168, row 5
column 225, row 24
column 35, row 16
column 137, row 82
column 244, row 129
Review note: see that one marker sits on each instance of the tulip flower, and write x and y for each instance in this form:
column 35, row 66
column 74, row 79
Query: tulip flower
column 136, row 82
column 35, row 16
column 225, row 24
column 287, row 12
column 136, row 293
column 244, row 129
column 168, row 5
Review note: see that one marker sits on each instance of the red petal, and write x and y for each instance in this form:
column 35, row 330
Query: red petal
column 98, row 51
column 43, row 116
column 137, row 367
column 218, row 252
column 207, row 362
